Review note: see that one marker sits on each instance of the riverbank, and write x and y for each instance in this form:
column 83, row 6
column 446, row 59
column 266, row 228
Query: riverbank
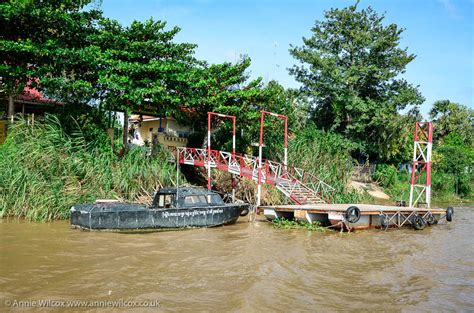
column 44, row 171
column 375, row 194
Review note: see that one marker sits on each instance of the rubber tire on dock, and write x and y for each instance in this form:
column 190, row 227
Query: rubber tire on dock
column 352, row 214
column 431, row 220
column 418, row 222
column 244, row 212
column 449, row 214
column 384, row 221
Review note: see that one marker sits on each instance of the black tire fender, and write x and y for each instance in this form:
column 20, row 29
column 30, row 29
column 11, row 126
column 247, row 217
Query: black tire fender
column 418, row 222
column 384, row 220
column 352, row 214
column 449, row 214
column 430, row 219
column 244, row 212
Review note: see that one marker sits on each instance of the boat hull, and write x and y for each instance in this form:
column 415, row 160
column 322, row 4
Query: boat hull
column 131, row 216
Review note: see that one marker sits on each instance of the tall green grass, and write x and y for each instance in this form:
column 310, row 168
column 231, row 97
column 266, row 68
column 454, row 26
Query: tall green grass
column 327, row 156
column 44, row 171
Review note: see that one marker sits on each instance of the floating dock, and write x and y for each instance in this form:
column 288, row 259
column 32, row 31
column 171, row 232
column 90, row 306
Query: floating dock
column 358, row 216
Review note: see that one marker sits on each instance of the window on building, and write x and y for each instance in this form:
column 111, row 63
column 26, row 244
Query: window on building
column 182, row 134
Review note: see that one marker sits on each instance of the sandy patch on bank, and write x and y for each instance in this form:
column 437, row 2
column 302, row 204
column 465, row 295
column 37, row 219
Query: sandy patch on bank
column 371, row 188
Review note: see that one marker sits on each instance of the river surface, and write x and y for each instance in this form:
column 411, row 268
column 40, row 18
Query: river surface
column 247, row 267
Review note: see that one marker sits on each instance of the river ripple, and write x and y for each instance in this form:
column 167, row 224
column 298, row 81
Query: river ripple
column 246, row 267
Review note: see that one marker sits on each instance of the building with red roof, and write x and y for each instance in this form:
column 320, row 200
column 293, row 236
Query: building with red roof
column 31, row 101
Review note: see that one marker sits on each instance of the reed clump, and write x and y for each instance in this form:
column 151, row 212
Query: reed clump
column 328, row 157
column 294, row 224
column 44, row 171
column 246, row 189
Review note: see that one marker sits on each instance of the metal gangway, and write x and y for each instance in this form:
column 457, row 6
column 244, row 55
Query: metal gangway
column 300, row 186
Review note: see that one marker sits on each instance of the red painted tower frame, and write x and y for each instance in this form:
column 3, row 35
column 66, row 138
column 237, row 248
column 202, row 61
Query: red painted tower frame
column 421, row 168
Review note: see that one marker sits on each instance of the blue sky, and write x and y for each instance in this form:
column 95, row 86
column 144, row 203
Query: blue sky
column 439, row 32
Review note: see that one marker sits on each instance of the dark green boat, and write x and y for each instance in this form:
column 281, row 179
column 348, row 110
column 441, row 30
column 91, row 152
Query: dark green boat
column 171, row 208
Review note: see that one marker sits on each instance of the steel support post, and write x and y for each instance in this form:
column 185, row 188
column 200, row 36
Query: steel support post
column 260, row 147
column 209, row 125
column 177, row 172
column 285, row 161
column 11, row 108
column 233, row 158
column 209, row 114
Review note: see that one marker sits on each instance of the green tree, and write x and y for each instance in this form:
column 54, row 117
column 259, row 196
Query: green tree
column 350, row 70
column 455, row 157
column 275, row 98
column 228, row 90
column 449, row 117
column 223, row 88
column 43, row 42
column 141, row 68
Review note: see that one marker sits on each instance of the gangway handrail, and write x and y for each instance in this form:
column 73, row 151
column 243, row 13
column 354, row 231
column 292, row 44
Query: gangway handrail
column 287, row 179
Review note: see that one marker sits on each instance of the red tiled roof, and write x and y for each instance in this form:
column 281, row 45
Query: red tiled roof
column 33, row 95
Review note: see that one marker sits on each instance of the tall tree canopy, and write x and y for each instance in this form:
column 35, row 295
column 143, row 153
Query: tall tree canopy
column 223, row 88
column 350, row 68
column 76, row 56
column 44, row 40
column 141, row 68
column 245, row 101
column 449, row 117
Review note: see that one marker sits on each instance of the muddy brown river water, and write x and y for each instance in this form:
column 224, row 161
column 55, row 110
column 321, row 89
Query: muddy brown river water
column 247, row 267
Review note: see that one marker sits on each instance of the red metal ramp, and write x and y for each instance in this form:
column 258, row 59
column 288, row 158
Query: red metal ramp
column 294, row 183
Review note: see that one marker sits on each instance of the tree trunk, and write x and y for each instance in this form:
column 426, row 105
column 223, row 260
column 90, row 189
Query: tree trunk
column 11, row 107
column 110, row 119
column 125, row 130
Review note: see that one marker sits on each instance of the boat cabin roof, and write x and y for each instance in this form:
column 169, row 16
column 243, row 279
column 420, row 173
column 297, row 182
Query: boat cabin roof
column 186, row 191
column 186, row 197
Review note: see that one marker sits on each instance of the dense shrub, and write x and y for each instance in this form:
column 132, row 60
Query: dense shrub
column 385, row 175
